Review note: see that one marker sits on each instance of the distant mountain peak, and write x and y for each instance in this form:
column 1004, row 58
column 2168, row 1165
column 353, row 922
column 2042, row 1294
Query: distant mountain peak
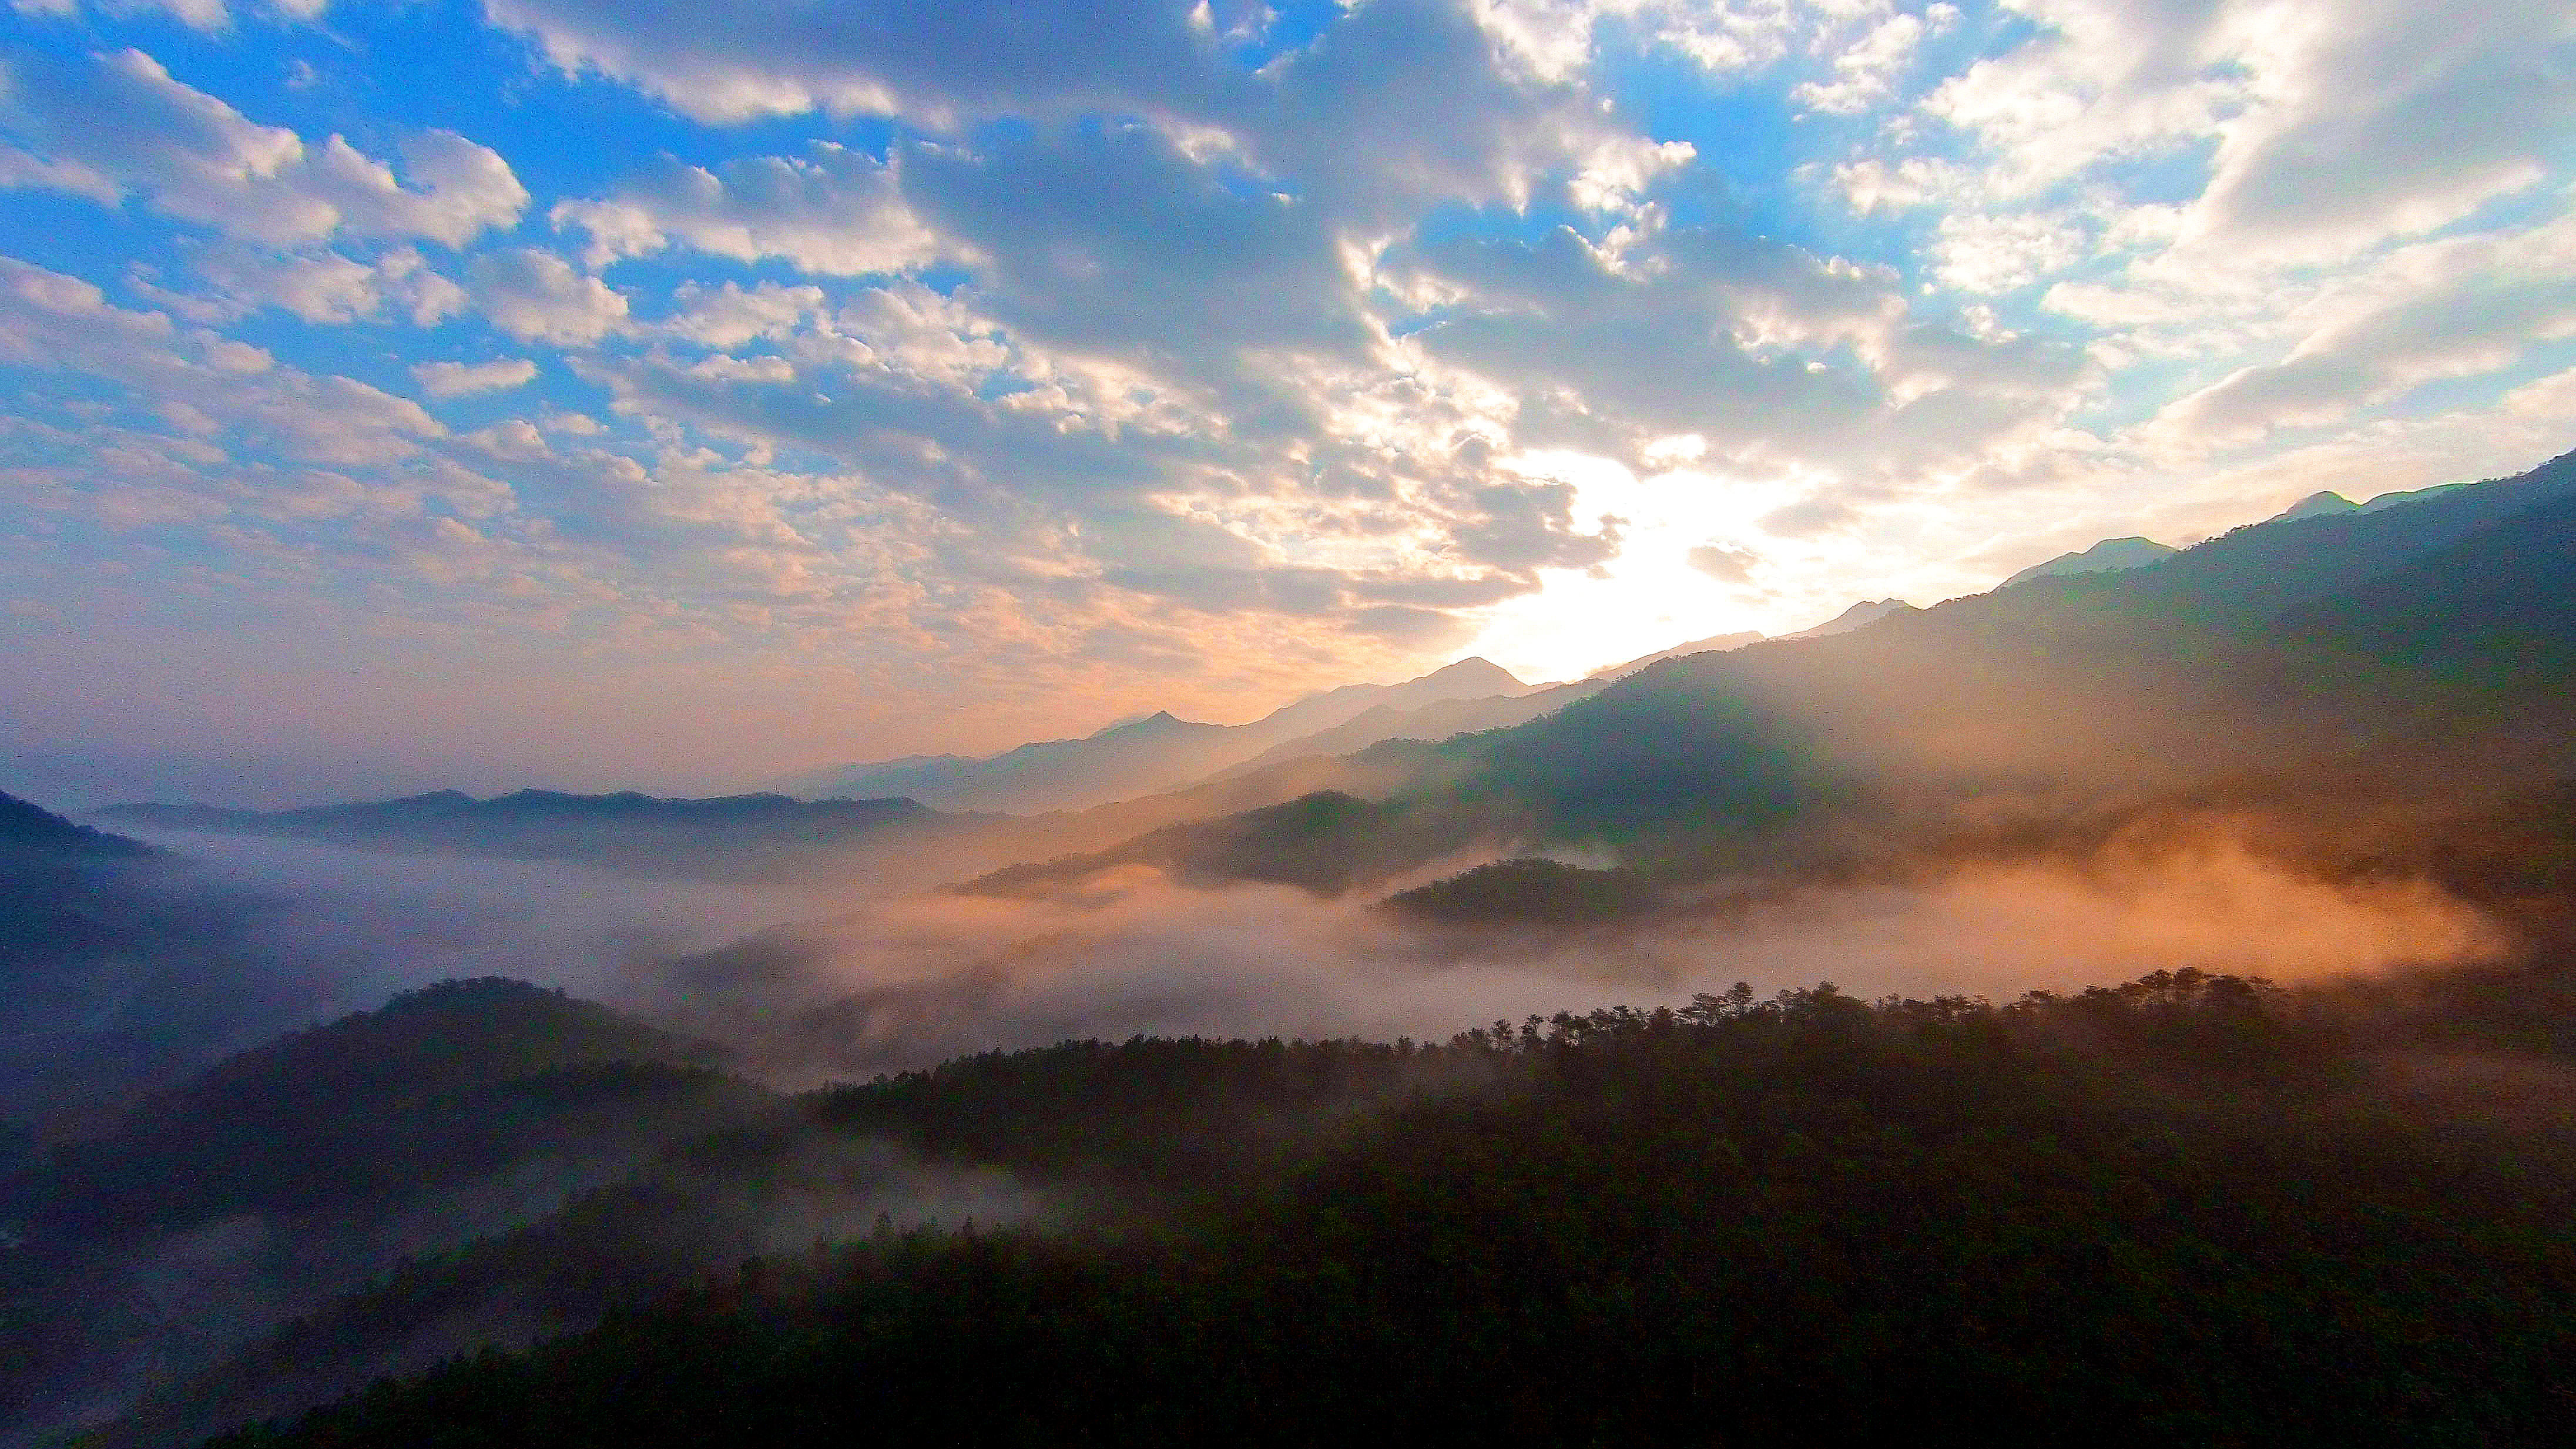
column 1867, row 611
column 1160, row 722
column 1475, row 669
column 1714, row 643
column 1133, row 757
column 2317, row 505
column 2111, row 555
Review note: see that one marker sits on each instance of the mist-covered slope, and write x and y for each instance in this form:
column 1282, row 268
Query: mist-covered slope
column 121, row 968
column 216, row 1209
column 2302, row 645
column 1085, row 1129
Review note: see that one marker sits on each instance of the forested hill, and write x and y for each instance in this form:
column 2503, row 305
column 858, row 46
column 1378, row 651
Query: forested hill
column 282, row 1176
column 2189, row 1210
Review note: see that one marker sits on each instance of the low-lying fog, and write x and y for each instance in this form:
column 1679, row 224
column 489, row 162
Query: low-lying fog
column 372, row 924
column 813, row 982
column 809, row 983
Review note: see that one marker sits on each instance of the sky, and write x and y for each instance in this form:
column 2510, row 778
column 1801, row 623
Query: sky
column 606, row 393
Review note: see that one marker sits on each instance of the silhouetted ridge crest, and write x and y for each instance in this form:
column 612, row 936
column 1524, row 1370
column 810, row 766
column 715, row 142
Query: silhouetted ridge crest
column 27, row 826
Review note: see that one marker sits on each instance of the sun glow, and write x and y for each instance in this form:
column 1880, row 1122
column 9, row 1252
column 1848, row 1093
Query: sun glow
column 1652, row 595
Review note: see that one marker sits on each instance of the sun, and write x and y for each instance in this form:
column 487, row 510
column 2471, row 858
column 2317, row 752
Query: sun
column 1649, row 596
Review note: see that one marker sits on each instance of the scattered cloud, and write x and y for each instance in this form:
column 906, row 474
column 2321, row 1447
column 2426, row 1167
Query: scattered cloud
column 1194, row 354
column 115, row 124
column 536, row 296
column 456, row 379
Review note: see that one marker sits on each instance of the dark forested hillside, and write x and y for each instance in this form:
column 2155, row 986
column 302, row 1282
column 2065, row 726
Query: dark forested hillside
column 2189, row 1210
column 298, row 1170
column 121, row 969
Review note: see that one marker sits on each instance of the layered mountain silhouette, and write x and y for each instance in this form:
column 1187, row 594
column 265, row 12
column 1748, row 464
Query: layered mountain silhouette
column 2420, row 620
column 2437, row 632
column 733, row 834
column 1160, row 752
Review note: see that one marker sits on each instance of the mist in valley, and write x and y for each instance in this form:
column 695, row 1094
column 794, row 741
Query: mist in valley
column 809, row 981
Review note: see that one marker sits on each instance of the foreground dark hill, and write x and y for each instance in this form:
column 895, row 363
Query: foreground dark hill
column 2438, row 636
column 121, row 968
column 29, row 832
column 634, row 1177
column 295, row 1171
column 2188, row 1210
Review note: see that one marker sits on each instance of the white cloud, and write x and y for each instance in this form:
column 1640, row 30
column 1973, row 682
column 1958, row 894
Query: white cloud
column 52, row 322
column 836, row 212
column 201, row 14
column 1866, row 72
column 2335, row 124
column 456, row 379
column 538, row 297
column 2455, row 308
column 110, row 125
column 877, row 56
column 1989, row 252
column 326, row 287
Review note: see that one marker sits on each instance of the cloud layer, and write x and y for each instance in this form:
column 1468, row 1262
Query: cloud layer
column 855, row 370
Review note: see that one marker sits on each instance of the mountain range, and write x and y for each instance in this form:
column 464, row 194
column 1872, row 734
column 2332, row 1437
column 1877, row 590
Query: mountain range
column 2435, row 633
column 1155, row 753
column 2046, row 670
column 725, row 835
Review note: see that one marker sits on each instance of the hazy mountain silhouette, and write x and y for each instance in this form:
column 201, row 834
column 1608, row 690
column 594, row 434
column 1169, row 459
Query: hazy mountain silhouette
column 726, row 835
column 1858, row 616
column 1696, row 646
column 1143, row 756
column 31, row 829
column 121, row 967
column 2109, row 556
column 1438, row 721
column 2444, row 625
column 1448, row 718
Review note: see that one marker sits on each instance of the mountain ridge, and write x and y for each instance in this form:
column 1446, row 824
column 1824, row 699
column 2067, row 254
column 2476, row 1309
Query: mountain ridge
column 1139, row 757
column 2293, row 644
column 2109, row 556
